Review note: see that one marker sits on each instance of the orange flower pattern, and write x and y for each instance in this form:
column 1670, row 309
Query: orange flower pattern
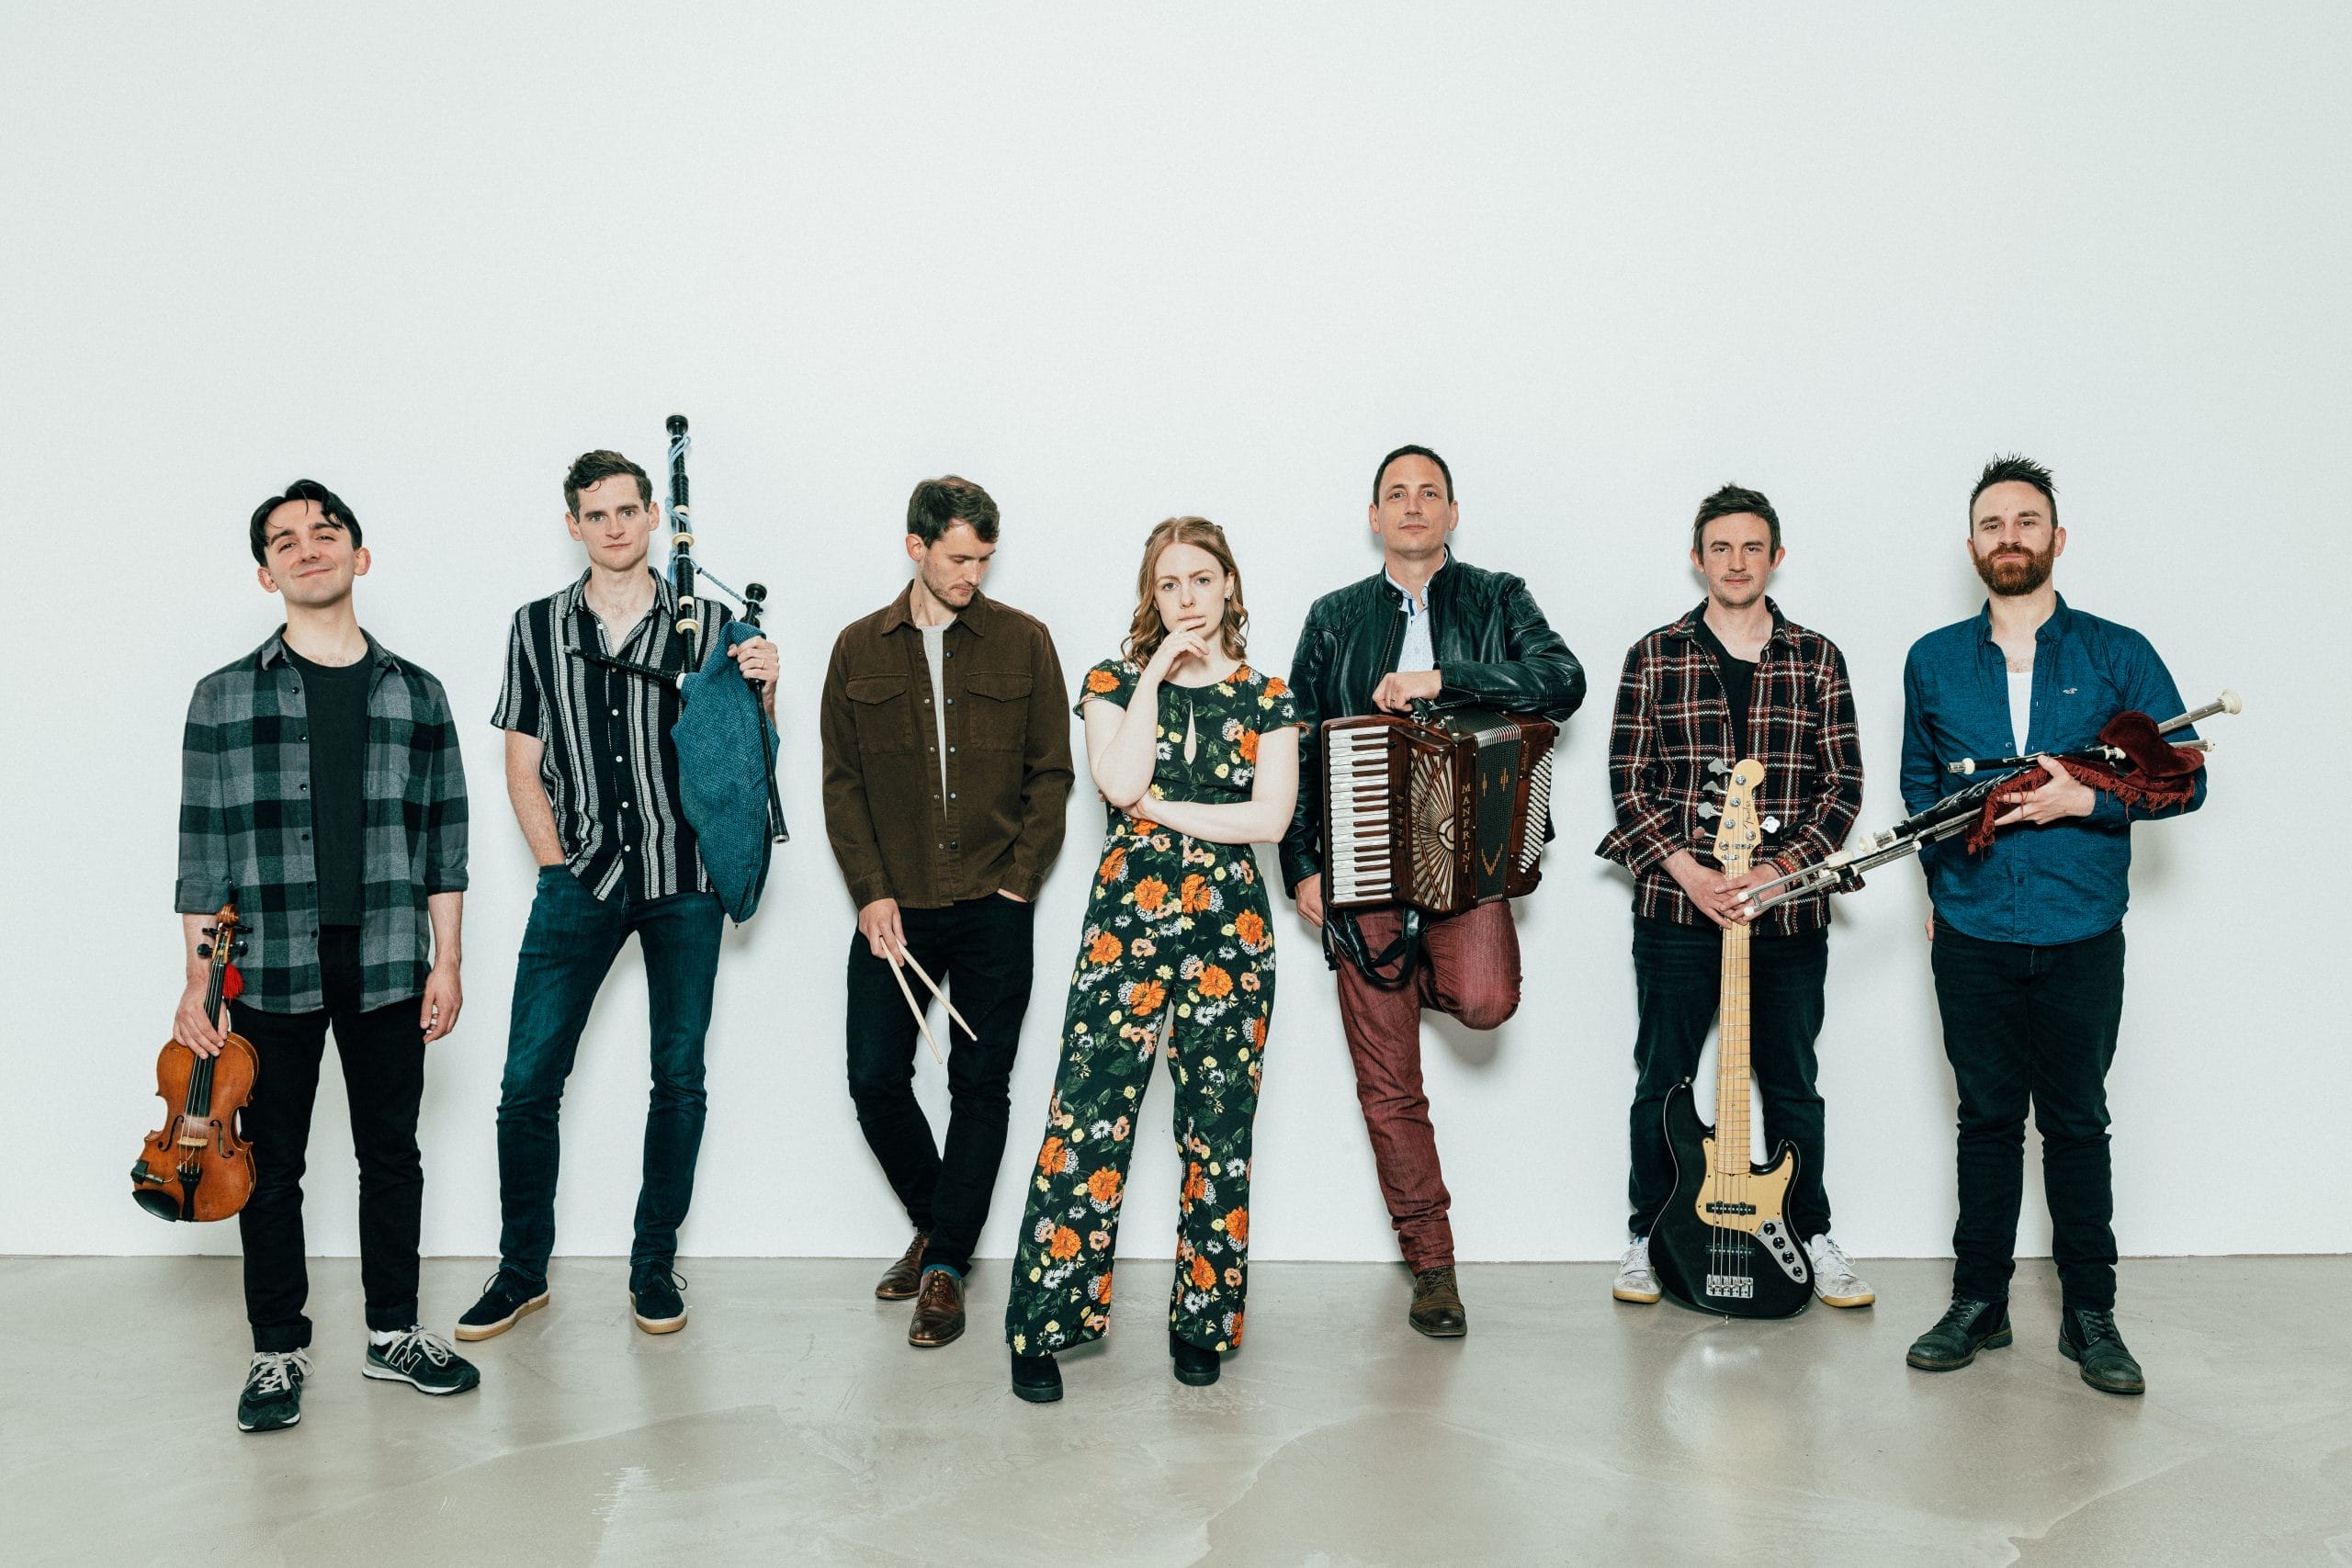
column 1177, row 945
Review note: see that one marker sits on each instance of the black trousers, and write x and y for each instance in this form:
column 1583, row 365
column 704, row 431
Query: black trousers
column 980, row 950
column 383, row 1070
column 2032, row 1025
column 1677, row 976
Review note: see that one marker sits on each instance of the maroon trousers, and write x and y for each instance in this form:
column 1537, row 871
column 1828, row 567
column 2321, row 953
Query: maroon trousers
column 1469, row 968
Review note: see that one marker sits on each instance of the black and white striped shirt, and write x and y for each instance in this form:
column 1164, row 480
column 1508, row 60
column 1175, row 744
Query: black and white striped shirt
column 610, row 768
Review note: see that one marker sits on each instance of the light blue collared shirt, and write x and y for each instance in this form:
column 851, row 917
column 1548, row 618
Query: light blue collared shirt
column 1415, row 652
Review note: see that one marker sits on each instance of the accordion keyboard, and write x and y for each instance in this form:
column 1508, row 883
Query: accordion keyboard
column 1358, row 805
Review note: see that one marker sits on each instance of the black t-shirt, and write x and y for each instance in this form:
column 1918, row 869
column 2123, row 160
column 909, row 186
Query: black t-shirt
column 1737, row 678
column 336, row 697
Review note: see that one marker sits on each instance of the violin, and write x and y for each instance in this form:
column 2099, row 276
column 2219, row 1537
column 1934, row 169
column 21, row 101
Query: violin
column 196, row 1167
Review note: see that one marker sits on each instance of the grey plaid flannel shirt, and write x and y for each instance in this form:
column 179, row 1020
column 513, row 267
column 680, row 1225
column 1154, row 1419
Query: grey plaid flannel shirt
column 246, row 824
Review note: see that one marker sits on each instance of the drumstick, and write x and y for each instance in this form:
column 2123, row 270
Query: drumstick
column 922, row 1022
column 941, row 995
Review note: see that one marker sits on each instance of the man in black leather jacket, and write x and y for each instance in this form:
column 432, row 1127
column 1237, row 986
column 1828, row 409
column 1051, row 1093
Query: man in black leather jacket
column 1426, row 627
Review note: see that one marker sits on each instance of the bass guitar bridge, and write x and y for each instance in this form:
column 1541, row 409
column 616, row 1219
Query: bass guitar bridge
column 1731, row 1287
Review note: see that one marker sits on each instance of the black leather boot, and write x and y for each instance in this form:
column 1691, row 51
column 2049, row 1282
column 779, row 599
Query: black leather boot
column 1036, row 1379
column 1193, row 1365
column 1965, row 1328
column 2087, row 1335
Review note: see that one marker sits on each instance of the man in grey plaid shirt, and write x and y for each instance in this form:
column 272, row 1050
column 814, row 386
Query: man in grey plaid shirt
column 322, row 791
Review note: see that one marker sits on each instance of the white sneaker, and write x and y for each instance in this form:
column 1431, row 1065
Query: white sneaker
column 1834, row 1279
column 1635, row 1281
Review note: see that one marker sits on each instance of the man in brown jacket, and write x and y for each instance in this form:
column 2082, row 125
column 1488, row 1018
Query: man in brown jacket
column 947, row 767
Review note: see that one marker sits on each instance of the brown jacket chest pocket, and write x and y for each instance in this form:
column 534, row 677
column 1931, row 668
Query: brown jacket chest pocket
column 884, row 713
column 999, row 719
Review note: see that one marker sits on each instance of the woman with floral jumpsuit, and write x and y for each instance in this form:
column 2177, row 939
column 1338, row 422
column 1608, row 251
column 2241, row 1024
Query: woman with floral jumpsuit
column 1177, row 947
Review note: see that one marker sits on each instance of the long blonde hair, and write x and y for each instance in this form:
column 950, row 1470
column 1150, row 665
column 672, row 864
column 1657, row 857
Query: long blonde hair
column 1147, row 631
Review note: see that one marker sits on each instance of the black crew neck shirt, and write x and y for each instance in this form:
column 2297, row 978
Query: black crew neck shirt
column 1736, row 678
column 335, row 698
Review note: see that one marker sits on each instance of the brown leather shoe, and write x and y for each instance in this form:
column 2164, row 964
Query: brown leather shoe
column 905, row 1275
column 1437, row 1305
column 939, row 1311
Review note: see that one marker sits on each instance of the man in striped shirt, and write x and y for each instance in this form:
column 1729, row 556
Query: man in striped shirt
column 593, row 777
column 1732, row 679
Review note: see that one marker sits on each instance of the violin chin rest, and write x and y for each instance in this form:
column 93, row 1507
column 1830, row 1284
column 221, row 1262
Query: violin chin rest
column 157, row 1202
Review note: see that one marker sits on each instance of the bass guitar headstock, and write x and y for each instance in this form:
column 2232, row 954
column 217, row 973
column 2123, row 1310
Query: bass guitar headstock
column 1738, row 832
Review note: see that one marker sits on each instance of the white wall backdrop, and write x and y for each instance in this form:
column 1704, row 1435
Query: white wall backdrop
column 1116, row 265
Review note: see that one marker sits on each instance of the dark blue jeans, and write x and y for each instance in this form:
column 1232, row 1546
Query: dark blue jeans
column 568, row 945
column 2032, row 1026
column 1677, row 975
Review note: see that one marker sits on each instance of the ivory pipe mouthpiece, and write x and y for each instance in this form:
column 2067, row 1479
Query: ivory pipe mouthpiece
column 2229, row 703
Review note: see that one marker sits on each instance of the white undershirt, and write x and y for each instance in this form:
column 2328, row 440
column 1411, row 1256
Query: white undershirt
column 934, row 652
column 2020, row 707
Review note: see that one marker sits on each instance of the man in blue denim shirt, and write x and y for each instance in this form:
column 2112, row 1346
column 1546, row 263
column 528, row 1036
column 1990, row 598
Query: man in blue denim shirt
column 2029, row 935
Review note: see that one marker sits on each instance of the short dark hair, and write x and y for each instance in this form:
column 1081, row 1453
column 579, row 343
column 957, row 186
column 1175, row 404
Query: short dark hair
column 1731, row 502
column 2018, row 469
column 1381, row 473
column 939, row 504
column 592, row 469
column 330, row 507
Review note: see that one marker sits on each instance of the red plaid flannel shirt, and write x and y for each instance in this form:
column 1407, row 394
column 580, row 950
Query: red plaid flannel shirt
column 1669, row 724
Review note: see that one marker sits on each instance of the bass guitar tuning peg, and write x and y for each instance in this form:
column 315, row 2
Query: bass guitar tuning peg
column 1708, row 813
column 1719, row 766
column 1770, row 824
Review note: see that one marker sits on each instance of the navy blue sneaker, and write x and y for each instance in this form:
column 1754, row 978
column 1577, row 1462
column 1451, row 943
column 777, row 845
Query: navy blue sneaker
column 505, row 1299
column 653, row 1296
column 426, row 1362
column 273, row 1396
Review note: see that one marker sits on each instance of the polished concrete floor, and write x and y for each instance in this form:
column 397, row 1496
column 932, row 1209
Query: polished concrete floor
column 790, row 1423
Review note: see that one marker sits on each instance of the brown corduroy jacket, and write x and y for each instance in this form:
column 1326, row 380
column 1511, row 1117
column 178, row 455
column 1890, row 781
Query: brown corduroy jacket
column 997, row 824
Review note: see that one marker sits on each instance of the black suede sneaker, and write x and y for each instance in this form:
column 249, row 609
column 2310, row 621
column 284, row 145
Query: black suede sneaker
column 653, row 1296
column 2088, row 1337
column 1965, row 1328
column 273, row 1396
column 505, row 1298
column 424, row 1361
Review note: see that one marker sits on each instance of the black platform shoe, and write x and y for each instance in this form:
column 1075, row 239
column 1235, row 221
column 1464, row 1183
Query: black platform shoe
column 1193, row 1365
column 1036, row 1379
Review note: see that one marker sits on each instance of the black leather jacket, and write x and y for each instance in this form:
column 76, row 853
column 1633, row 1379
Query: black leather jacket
column 1494, row 650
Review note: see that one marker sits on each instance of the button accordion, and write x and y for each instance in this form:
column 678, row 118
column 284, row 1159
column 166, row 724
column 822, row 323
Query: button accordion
column 1440, row 812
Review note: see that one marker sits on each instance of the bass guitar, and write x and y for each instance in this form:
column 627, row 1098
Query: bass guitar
column 1723, row 1243
column 196, row 1167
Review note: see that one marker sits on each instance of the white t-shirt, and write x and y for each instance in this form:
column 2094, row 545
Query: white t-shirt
column 2020, row 707
column 934, row 652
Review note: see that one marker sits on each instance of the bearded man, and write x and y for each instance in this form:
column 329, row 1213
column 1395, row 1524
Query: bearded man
column 2028, row 937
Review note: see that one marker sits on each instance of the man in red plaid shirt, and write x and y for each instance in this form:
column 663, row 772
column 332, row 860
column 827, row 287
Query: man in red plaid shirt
column 1732, row 679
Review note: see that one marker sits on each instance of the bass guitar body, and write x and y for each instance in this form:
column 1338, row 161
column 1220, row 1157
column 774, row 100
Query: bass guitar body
column 1723, row 1244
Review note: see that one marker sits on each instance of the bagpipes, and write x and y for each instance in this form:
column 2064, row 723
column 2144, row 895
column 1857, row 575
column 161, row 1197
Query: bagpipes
column 2131, row 761
column 723, row 735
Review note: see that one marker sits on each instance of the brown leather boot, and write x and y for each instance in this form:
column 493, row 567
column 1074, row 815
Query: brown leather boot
column 939, row 1311
column 1437, row 1305
column 905, row 1275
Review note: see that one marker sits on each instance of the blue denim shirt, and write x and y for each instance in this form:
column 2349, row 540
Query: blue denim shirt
column 2061, row 881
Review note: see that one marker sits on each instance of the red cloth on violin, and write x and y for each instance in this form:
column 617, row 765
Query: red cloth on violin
column 2154, row 773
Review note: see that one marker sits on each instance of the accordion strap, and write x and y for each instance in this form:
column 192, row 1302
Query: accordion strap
column 1342, row 938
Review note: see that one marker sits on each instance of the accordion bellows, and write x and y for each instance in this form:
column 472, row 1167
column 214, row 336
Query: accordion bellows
column 1439, row 813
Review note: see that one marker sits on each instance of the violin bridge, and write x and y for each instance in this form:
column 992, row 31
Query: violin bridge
column 196, row 1142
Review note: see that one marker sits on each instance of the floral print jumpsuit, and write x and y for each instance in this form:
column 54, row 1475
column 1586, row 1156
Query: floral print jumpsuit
column 1177, row 945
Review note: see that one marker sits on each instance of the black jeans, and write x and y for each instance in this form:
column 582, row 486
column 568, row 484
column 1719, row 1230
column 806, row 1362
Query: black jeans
column 568, row 946
column 1678, row 978
column 383, row 1072
column 980, row 950
column 2032, row 1024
